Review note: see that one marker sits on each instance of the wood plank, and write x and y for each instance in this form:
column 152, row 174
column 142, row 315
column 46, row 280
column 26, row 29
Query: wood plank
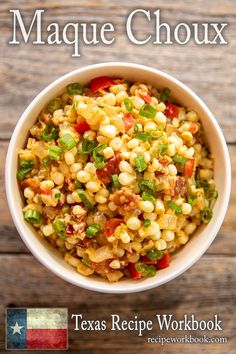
column 10, row 240
column 24, row 75
column 194, row 297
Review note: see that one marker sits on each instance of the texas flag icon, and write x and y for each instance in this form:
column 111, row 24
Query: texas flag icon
column 37, row 328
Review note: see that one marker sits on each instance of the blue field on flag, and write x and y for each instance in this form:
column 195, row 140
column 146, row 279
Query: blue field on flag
column 37, row 328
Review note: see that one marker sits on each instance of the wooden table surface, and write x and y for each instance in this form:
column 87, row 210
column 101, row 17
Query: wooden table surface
column 209, row 286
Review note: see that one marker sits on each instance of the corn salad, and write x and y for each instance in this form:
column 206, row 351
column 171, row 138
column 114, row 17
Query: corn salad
column 117, row 176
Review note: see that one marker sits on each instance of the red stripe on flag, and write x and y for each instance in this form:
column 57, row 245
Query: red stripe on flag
column 46, row 338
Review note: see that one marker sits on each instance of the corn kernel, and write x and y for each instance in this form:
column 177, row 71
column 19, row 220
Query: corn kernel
column 186, row 208
column 108, row 152
column 69, row 158
column 83, row 176
column 28, row 193
column 126, row 178
column 108, row 131
column 133, row 223
column 47, row 230
column 115, row 264
column 58, row 178
column 93, row 187
column 124, row 166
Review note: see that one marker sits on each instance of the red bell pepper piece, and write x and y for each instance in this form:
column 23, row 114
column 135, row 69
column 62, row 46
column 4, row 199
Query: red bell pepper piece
column 146, row 98
column 111, row 225
column 101, row 82
column 193, row 128
column 189, row 168
column 134, row 273
column 163, row 262
column 82, row 127
column 128, row 120
column 171, row 110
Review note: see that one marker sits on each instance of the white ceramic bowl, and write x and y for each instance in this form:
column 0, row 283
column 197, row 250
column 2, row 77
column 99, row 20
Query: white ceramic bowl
column 201, row 240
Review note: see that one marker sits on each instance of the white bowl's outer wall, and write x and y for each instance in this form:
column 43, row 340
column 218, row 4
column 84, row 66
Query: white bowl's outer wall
column 204, row 236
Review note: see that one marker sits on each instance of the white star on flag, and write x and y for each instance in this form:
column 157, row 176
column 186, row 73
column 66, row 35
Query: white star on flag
column 16, row 328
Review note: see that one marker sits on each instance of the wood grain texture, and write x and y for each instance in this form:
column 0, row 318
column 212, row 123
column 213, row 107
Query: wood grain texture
column 209, row 286
column 186, row 294
column 209, row 70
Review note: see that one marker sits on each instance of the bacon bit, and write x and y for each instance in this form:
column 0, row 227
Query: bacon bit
column 59, row 206
column 193, row 128
column 111, row 167
column 101, row 268
column 164, row 161
column 50, row 212
column 86, row 242
column 32, row 183
column 46, row 191
column 159, row 173
column 146, row 98
column 125, row 200
column 180, row 186
column 128, row 120
column 111, row 225
column 69, row 230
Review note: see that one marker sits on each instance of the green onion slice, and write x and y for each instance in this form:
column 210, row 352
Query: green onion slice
column 144, row 136
column 78, row 185
column 99, row 160
column 82, row 194
column 74, row 89
column 175, row 207
column 92, row 230
column 67, row 141
column 49, row 133
column 147, row 223
column 55, row 152
column 147, row 186
column 88, row 146
column 179, row 159
column 128, row 104
column 115, row 181
column 161, row 149
column 26, row 167
column 136, row 128
column 202, row 184
column 45, row 162
column 58, row 195
column 155, row 254
column 54, row 105
column 206, row 215
column 32, row 216
column 212, row 194
column 147, row 111
column 149, row 197
column 165, row 94
column 140, row 163
column 191, row 199
column 157, row 134
column 145, row 269
column 60, row 228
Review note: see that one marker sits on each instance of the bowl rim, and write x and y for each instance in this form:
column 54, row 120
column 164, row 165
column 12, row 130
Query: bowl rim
column 107, row 287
